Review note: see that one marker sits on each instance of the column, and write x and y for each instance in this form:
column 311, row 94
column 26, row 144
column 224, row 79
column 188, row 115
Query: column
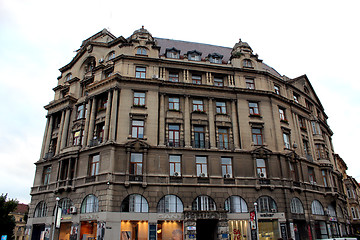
column 92, row 121
column 87, row 118
column 64, row 134
column 113, row 120
column 162, row 120
column 60, row 132
column 235, row 125
column 48, row 135
column 212, row 124
column 45, row 136
column 187, row 122
column 107, row 117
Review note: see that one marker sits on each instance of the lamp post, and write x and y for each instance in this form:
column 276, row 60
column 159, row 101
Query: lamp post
column 55, row 216
column 256, row 220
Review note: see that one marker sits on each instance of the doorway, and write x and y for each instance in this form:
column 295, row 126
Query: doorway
column 206, row 229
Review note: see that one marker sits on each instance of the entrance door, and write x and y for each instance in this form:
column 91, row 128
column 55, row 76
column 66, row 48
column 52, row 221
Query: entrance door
column 36, row 231
column 206, row 229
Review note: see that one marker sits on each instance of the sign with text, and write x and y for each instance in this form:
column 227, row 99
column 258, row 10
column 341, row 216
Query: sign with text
column 252, row 220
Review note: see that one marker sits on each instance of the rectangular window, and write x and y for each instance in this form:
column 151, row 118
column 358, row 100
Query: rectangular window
column 226, row 167
column 250, row 83
column 261, row 168
column 139, row 99
column 282, row 114
column 306, row 147
column 196, row 79
column 309, row 105
column 140, row 72
column 137, row 129
column 199, row 137
column 102, row 103
column 201, row 166
column 349, row 192
column 174, row 103
column 80, row 112
column 302, row 123
column 277, row 89
column 286, row 137
column 136, row 163
column 292, row 170
column 223, row 138
column 316, row 128
column 173, row 77
column 311, row 175
column 172, row 54
column 78, row 137
column 296, row 97
column 257, row 136
column 319, row 150
column 218, row 82
column 221, row 107
column 46, row 175
column 198, row 106
column 175, row 165
column 99, row 132
column 254, row 108
column 94, row 165
column 324, row 175
column 174, row 135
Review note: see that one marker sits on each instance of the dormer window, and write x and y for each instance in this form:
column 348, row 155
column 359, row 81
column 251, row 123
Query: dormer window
column 172, row 53
column 215, row 58
column 111, row 55
column 141, row 51
column 194, row 55
column 68, row 77
column 247, row 63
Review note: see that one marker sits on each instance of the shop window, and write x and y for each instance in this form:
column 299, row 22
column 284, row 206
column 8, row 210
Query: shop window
column 250, row 83
column 201, row 166
column 247, row 63
column 277, row 89
column 266, row 204
column 235, row 204
column 90, row 204
column 137, row 129
column 286, row 137
column 238, row 229
column 169, row 230
column 226, row 167
column 174, row 77
column 296, row 206
column 131, row 230
column 254, row 108
column 196, row 79
column 174, row 103
column 223, row 134
column 134, row 203
column 140, row 72
column 46, row 175
column 199, row 137
column 175, row 165
column 317, row 208
column 111, row 55
column 40, row 210
column 311, row 174
column 198, row 106
column 261, row 168
column 221, row 107
column 219, row 82
column 136, row 163
column 94, row 165
column 65, row 204
column 141, row 51
column 203, row 203
column 174, row 135
column 170, row 204
column 257, row 136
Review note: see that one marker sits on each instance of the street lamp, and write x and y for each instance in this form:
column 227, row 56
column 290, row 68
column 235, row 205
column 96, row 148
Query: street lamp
column 55, row 217
column 256, row 220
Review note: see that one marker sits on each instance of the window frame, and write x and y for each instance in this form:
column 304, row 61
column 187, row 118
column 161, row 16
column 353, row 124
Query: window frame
column 141, row 51
column 223, row 138
column 198, row 105
column 218, row 81
column 139, row 99
column 94, row 165
column 170, row 204
column 140, row 72
column 220, row 107
column 250, row 83
column 137, row 128
column 254, row 108
column 282, row 114
column 136, row 164
column 90, row 204
column 277, row 89
column 174, row 135
column 201, row 166
column 173, row 76
column 287, row 140
column 46, row 175
column 257, row 137
column 175, row 165
column 174, row 103
column 196, row 79
column 199, row 137
column 311, row 174
column 261, row 168
column 226, row 167
column 235, row 204
column 247, row 63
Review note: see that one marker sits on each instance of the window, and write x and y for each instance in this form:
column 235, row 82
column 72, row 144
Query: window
column 80, row 112
column 311, row 174
column 78, row 137
column 324, row 175
column 226, row 167
column 139, row 99
column 203, row 203
column 296, row 97
column 319, row 151
column 65, row 205
column 306, row 147
column 277, row 89
column 349, row 192
column 99, row 132
column 46, row 175
column 296, row 206
column 196, row 79
column 254, row 108
column 170, row 204
column 172, row 54
column 292, row 170
column 235, row 204
column 194, row 56
column 90, row 204
column 141, row 51
column 102, row 103
column 174, row 103
column 316, row 128
column 261, row 168
column 68, row 77
column 198, row 106
column 199, row 137
column 134, row 203
column 174, row 135
column 140, row 72
column 317, row 208
column 108, row 73
column 218, row 82
column 247, row 63
column 306, row 90
column 331, row 211
column 250, row 83
column 309, row 105
column 223, row 138
column 286, row 137
column 214, row 59
column 221, row 107
column 282, row 114
column 40, row 210
column 173, row 77
column 354, row 213
column 136, row 163
column 266, row 204
column 111, row 55
column 201, row 166
column 302, row 123
column 257, row 136
column 175, row 165
column 94, row 165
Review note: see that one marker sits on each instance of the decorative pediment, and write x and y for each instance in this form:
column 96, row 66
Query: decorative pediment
column 261, row 152
column 292, row 156
column 137, row 145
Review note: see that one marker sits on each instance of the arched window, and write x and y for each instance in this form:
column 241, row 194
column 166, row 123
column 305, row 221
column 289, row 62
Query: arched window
column 134, row 203
column 317, row 208
column 266, row 204
column 111, row 55
column 235, row 204
column 90, row 204
column 296, row 206
column 40, row 210
column 203, row 203
column 89, row 64
column 247, row 63
column 141, row 51
column 65, row 204
column 68, row 77
column 331, row 211
column 170, row 203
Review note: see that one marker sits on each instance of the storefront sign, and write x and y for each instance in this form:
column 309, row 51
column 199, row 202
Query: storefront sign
column 283, row 231
column 267, row 215
column 252, row 220
column 88, row 217
column 191, row 228
column 332, row 219
column 169, row 216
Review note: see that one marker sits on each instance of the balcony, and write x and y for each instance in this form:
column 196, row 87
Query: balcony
column 95, row 142
column 49, row 155
column 225, row 145
column 200, row 144
column 135, row 178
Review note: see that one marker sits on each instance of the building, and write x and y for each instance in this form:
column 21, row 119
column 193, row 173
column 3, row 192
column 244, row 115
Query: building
column 152, row 138
column 20, row 215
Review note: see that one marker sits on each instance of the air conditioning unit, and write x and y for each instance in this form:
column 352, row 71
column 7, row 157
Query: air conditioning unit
column 155, row 77
column 72, row 209
column 202, row 174
column 262, row 175
column 227, row 175
column 176, row 174
column 101, row 60
column 273, row 210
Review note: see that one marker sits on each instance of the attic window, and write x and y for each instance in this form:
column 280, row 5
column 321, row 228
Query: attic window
column 141, row 51
column 215, row 58
column 111, row 55
column 68, row 77
column 247, row 63
column 194, row 55
column 172, row 53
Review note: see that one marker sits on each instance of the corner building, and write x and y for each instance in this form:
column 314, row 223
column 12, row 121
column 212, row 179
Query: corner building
column 152, row 138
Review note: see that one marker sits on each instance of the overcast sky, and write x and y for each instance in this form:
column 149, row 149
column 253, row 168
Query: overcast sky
column 318, row 38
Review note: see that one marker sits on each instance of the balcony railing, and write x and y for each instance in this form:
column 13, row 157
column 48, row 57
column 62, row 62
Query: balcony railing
column 135, row 178
column 200, row 144
column 174, row 143
column 95, row 142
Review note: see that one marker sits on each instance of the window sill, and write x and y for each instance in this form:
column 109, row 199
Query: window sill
column 222, row 114
column 142, row 55
column 174, row 110
column 139, row 106
column 255, row 115
column 134, row 138
column 200, row 112
column 284, row 121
